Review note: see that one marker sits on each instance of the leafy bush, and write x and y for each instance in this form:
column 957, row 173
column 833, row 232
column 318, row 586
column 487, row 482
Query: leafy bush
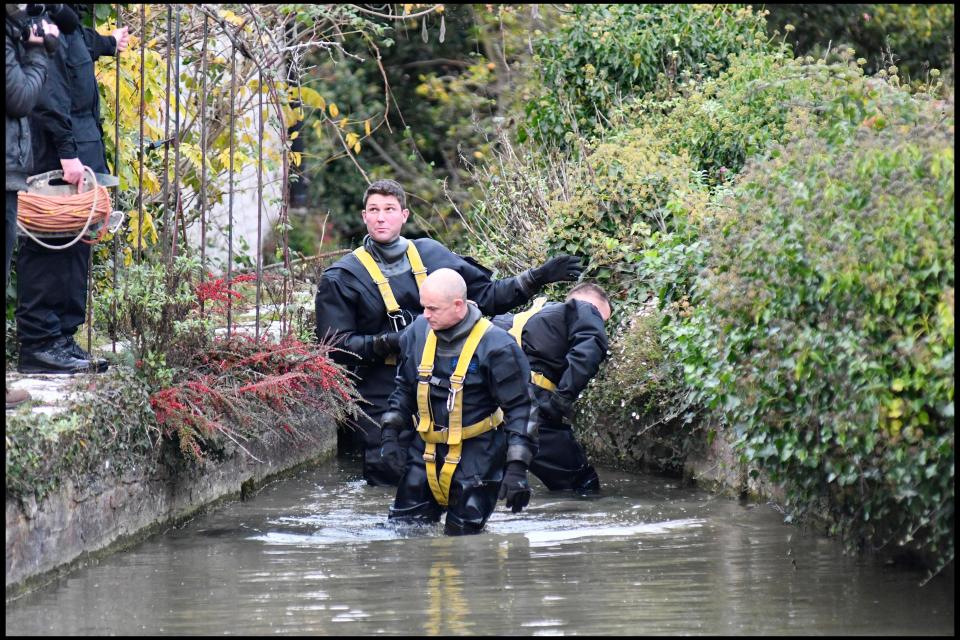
column 158, row 315
column 917, row 35
column 823, row 329
column 604, row 53
column 111, row 436
column 635, row 411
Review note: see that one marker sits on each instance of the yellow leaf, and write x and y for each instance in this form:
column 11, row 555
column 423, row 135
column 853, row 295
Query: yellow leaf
column 231, row 17
column 352, row 139
column 295, row 157
column 293, row 136
column 356, row 148
column 343, row 123
column 334, row 111
column 897, row 385
column 896, row 408
column 366, row 126
column 311, row 98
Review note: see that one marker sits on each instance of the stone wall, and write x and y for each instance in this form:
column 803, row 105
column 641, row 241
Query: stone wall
column 88, row 518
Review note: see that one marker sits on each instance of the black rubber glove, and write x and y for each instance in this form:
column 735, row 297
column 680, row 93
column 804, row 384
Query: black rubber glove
column 514, row 486
column 558, row 409
column 386, row 344
column 563, row 267
column 390, row 450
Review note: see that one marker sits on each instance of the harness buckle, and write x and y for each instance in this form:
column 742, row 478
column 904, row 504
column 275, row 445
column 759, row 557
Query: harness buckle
column 399, row 322
column 429, row 457
column 452, row 460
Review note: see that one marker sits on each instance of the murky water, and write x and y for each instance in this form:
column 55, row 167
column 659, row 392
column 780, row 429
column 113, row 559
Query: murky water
column 314, row 554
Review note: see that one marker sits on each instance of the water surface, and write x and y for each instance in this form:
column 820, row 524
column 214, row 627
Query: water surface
column 314, row 554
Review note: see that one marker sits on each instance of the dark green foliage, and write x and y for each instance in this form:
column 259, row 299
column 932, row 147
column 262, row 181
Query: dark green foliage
column 823, row 329
column 605, row 53
column 112, row 435
column 920, row 36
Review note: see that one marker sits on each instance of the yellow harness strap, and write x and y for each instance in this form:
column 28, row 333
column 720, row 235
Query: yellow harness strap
column 455, row 433
column 389, row 300
column 519, row 321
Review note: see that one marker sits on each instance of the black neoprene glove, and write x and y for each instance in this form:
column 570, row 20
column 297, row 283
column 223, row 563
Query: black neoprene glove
column 514, row 486
column 563, row 267
column 390, row 450
column 386, row 344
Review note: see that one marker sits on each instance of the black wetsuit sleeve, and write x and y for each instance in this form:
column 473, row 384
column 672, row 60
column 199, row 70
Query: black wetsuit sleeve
column 337, row 305
column 52, row 112
column 587, row 348
column 509, row 377
column 403, row 398
column 492, row 296
column 99, row 45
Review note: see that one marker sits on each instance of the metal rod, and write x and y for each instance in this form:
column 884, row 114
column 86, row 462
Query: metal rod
column 116, row 172
column 143, row 49
column 165, row 236
column 233, row 97
column 259, row 199
column 203, row 158
column 176, row 139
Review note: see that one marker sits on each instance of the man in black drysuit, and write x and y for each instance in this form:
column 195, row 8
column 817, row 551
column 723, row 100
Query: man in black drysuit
column 350, row 305
column 491, row 404
column 67, row 135
column 565, row 344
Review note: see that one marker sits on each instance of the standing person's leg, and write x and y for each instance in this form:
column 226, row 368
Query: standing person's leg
column 42, row 285
column 11, row 229
column 414, row 503
column 561, row 463
column 14, row 397
column 73, row 311
column 476, row 483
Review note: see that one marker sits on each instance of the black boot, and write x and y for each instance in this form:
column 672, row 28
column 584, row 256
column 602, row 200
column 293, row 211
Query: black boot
column 50, row 359
column 97, row 365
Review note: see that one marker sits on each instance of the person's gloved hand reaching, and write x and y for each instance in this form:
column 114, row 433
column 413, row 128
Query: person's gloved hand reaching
column 515, row 487
column 390, row 450
column 562, row 268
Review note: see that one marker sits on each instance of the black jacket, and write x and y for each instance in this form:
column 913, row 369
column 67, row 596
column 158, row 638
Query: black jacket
column 349, row 305
column 497, row 376
column 566, row 342
column 66, row 123
column 26, row 71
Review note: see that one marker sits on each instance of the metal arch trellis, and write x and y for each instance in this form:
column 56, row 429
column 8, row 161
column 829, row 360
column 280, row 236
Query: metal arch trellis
column 175, row 238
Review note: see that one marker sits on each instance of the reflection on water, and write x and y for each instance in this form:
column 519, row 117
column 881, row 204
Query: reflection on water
column 316, row 554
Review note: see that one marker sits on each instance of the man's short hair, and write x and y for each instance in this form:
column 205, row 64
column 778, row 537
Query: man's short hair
column 591, row 288
column 386, row 187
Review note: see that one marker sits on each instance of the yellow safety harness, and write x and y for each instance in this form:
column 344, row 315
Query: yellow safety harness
column 519, row 321
column 393, row 309
column 455, row 433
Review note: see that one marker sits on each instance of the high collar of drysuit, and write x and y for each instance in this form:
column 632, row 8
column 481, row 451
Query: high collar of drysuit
column 451, row 339
column 386, row 253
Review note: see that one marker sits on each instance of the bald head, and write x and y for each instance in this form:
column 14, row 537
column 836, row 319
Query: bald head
column 443, row 296
column 447, row 283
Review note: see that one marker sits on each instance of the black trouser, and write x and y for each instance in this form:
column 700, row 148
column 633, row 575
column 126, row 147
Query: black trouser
column 11, row 229
column 51, row 291
column 473, row 489
column 362, row 437
column 561, row 463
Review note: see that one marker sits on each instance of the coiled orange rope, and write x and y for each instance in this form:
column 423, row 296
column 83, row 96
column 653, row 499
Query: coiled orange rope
column 39, row 213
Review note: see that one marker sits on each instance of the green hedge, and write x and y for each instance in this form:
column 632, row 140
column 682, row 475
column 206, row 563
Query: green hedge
column 823, row 329
column 604, row 53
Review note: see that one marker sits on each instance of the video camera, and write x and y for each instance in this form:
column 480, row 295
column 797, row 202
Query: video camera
column 59, row 14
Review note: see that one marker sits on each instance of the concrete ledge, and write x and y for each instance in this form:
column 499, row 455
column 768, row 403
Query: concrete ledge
column 91, row 517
